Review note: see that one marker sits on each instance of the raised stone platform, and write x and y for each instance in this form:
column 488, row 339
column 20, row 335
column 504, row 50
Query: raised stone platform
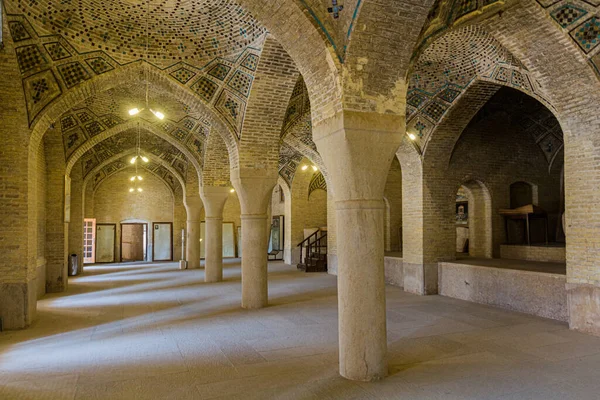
column 394, row 269
column 544, row 253
column 529, row 289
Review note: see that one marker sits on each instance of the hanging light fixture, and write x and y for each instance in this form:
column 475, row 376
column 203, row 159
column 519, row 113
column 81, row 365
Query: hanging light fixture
column 135, row 111
column 137, row 178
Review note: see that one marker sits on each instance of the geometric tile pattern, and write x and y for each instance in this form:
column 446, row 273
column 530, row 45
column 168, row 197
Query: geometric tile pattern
column 205, row 88
column 220, row 71
column 57, row 51
column 587, row 35
column 568, row 14
column 317, row 182
column 448, row 66
column 183, row 75
column 232, row 109
column 250, row 62
column 99, row 65
column 289, row 159
column 581, row 21
column 195, row 31
column 73, row 73
column 241, row 82
column 30, row 57
column 18, row 31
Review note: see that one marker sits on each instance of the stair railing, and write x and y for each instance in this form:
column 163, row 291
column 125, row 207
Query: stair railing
column 314, row 244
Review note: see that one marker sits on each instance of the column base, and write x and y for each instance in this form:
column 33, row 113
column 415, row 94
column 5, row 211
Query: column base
column 584, row 308
column 182, row 264
column 420, row 279
column 332, row 264
column 18, row 302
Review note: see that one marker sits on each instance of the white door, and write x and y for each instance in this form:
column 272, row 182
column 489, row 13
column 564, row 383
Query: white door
column 89, row 239
column 162, row 239
column 105, row 243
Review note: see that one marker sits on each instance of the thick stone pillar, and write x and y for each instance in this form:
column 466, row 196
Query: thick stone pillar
column 193, row 206
column 254, row 188
column 214, row 199
column 358, row 149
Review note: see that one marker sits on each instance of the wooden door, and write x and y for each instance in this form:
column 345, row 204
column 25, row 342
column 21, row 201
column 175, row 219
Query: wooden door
column 162, row 241
column 132, row 242
column 105, row 242
column 89, row 240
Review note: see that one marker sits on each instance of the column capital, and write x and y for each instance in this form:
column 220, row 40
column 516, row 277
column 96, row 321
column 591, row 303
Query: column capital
column 193, row 207
column 358, row 149
column 214, row 199
column 254, row 187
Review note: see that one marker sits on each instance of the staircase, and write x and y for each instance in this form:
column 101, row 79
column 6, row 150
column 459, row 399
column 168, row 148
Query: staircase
column 313, row 253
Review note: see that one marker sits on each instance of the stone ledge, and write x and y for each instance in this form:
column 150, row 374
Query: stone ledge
column 535, row 293
column 584, row 307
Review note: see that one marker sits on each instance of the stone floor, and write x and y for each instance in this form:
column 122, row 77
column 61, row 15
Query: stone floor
column 154, row 332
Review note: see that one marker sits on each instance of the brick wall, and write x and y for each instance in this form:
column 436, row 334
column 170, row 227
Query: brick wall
column 393, row 196
column 114, row 204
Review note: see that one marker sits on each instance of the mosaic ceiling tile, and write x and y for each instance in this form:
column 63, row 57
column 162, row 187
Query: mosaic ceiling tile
column 416, row 99
column 180, row 134
column 84, row 117
column 57, row 51
column 317, row 182
column 99, row 65
column 220, row 71
column 183, row 75
column 205, row 88
column 73, row 73
column 88, row 163
column 587, row 35
column 550, row 145
column 241, row 82
column 449, row 94
column 72, row 140
column 521, row 81
column 98, row 177
column 435, row 110
column 568, row 14
column 18, row 31
column 194, row 31
column 40, row 90
column 111, row 121
column 464, row 7
column 232, row 108
column 94, row 128
column 30, row 57
column 67, row 123
column 250, row 62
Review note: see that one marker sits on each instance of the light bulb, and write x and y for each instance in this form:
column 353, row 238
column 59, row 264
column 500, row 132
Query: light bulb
column 140, row 178
column 412, row 136
column 134, row 111
column 145, row 159
column 132, row 178
column 131, row 190
column 158, row 114
column 140, row 189
column 133, row 159
column 304, row 167
column 231, row 190
column 314, row 167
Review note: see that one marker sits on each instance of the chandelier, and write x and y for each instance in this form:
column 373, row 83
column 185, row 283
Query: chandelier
column 137, row 178
column 136, row 110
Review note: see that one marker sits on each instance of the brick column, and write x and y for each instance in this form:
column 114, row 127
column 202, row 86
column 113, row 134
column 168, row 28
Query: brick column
column 254, row 188
column 193, row 206
column 358, row 149
column 214, row 199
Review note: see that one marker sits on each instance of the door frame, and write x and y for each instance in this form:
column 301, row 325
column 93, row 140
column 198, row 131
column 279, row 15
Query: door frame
column 153, row 244
column 93, row 257
column 121, row 241
column 114, row 243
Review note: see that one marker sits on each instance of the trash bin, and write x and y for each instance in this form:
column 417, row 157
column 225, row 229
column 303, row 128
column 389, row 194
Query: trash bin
column 73, row 265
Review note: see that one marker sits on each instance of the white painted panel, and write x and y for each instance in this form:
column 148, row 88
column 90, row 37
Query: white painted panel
column 105, row 243
column 162, row 241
